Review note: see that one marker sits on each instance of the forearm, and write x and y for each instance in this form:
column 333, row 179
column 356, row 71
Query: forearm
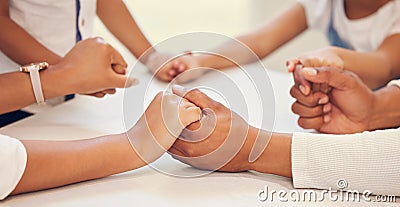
column 260, row 43
column 117, row 18
column 16, row 96
column 57, row 163
column 386, row 109
column 373, row 68
column 21, row 47
column 276, row 158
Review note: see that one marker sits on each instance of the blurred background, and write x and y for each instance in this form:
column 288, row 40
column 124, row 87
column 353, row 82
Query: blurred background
column 160, row 20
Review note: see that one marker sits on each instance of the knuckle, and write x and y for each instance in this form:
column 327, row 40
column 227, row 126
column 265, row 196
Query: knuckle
column 304, row 123
column 293, row 92
column 309, row 101
column 317, row 110
column 294, row 108
column 301, row 123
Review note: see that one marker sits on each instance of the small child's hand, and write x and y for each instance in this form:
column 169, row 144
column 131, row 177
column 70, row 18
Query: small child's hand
column 320, row 58
column 160, row 64
column 161, row 124
column 166, row 68
column 187, row 68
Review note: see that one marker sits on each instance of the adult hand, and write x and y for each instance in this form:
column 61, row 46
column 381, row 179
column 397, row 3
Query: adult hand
column 221, row 140
column 349, row 107
column 160, row 64
column 93, row 66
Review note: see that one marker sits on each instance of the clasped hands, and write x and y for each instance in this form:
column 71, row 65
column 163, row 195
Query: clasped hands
column 195, row 130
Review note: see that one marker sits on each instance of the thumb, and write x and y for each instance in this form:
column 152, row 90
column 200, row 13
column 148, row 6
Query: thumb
column 195, row 96
column 334, row 77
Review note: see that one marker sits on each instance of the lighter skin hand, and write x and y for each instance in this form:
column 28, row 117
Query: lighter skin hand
column 163, row 121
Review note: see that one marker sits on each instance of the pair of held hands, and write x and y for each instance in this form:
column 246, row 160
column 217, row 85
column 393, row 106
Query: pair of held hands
column 195, row 130
column 329, row 98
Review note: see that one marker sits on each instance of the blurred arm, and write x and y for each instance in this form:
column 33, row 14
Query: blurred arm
column 117, row 18
column 18, row 45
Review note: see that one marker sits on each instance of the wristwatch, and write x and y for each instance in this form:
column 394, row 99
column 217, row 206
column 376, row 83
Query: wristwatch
column 33, row 70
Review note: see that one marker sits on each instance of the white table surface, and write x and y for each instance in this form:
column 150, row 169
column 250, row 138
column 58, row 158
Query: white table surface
column 86, row 117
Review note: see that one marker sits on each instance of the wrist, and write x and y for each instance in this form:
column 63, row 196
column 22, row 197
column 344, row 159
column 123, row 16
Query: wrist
column 144, row 59
column 240, row 162
column 205, row 60
column 277, row 156
column 54, row 82
column 385, row 111
column 254, row 135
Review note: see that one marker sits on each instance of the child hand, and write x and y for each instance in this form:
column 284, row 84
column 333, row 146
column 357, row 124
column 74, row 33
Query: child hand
column 320, row 58
column 167, row 71
column 187, row 68
column 160, row 64
column 160, row 125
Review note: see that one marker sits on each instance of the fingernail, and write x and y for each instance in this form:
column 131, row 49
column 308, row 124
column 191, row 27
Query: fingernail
column 303, row 89
column 135, row 81
column 178, row 87
column 131, row 82
column 327, row 108
column 327, row 118
column 323, row 100
column 310, row 71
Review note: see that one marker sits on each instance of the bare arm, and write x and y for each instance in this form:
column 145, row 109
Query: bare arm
column 94, row 158
column 262, row 42
column 18, row 45
column 81, row 160
column 87, row 68
column 375, row 68
column 120, row 22
column 386, row 111
column 16, row 96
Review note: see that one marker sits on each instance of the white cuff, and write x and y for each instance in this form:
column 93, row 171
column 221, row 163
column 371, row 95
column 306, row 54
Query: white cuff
column 13, row 158
column 367, row 161
column 394, row 83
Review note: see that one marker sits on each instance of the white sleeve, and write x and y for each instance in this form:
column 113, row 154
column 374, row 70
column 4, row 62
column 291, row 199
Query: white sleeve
column 13, row 159
column 367, row 161
column 394, row 83
column 318, row 13
column 395, row 27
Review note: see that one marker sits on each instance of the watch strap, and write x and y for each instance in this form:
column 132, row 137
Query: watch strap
column 36, row 85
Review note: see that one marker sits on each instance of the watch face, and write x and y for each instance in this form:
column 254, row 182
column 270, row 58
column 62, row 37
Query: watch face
column 38, row 66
